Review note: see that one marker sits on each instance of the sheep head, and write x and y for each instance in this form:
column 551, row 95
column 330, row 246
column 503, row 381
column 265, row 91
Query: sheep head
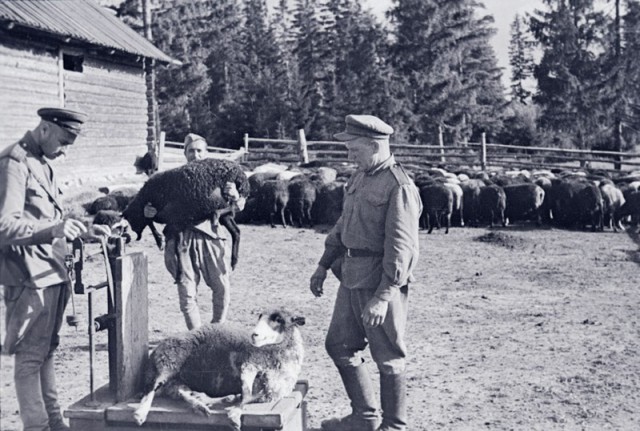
column 273, row 326
column 134, row 215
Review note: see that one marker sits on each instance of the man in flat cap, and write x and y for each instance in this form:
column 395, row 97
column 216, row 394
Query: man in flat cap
column 374, row 246
column 201, row 251
column 33, row 245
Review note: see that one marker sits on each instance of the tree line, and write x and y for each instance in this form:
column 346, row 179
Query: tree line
column 428, row 69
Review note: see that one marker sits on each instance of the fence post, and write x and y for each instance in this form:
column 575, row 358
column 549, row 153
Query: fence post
column 245, row 138
column 302, row 141
column 441, row 143
column 483, row 152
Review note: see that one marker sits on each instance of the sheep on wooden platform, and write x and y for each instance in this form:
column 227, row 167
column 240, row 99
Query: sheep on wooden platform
column 222, row 360
column 188, row 195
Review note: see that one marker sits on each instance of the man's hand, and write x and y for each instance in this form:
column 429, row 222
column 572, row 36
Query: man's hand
column 150, row 211
column 233, row 196
column 375, row 312
column 231, row 191
column 69, row 229
column 98, row 230
column 317, row 280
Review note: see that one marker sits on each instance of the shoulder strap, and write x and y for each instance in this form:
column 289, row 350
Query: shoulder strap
column 400, row 174
column 19, row 154
column 16, row 152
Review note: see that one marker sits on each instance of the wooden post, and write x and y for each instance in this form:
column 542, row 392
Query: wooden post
column 161, row 149
column 60, row 78
column 483, row 152
column 302, row 141
column 441, row 143
column 246, row 147
column 132, row 328
column 150, row 81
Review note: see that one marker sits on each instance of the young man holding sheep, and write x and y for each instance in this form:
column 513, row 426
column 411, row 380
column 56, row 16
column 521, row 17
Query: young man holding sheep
column 33, row 235
column 374, row 246
column 201, row 251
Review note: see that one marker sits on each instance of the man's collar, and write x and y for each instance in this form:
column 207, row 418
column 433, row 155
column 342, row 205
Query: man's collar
column 29, row 143
column 390, row 161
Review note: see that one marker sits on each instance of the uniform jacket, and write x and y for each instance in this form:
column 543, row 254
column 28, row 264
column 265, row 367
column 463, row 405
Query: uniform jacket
column 381, row 211
column 29, row 209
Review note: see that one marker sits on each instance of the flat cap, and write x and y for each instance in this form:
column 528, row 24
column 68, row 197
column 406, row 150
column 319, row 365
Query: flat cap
column 364, row 125
column 66, row 118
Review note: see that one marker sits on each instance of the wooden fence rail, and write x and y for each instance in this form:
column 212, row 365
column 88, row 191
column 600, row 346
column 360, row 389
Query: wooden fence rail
column 480, row 155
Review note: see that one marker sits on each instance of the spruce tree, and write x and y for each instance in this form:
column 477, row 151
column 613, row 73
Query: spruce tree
column 443, row 54
column 520, row 59
column 569, row 73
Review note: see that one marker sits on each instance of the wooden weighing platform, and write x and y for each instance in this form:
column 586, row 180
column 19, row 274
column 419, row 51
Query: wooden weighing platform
column 288, row 414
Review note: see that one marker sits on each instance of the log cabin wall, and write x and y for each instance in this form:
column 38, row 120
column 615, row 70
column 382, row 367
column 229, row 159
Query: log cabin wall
column 111, row 89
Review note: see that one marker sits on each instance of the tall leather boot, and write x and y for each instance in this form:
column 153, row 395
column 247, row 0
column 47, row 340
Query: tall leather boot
column 364, row 415
column 393, row 397
column 50, row 396
column 32, row 409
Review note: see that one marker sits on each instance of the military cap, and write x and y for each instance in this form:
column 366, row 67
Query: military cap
column 69, row 120
column 191, row 138
column 364, row 125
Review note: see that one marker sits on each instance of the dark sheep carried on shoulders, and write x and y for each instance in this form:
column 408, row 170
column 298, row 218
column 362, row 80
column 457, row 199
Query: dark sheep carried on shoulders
column 188, row 195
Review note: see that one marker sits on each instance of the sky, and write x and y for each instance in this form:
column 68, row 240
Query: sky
column 503, row 12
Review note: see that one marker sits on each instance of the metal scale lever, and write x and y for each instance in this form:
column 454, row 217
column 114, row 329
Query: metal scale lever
column 75, row 263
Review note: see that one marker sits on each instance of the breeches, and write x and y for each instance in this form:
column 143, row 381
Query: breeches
column 33, row 320
column 347, row 336
column 196, row 256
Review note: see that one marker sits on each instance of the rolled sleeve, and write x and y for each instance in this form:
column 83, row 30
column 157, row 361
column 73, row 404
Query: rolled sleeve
column 401, row 240
column 14, row 228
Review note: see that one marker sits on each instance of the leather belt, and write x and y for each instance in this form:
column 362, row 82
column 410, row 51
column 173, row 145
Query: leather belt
column 361, row 252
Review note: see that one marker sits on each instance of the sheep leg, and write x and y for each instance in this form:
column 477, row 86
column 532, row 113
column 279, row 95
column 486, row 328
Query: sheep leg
column 284, row 222
column 156, row 235
column 308, row 214
column 247, row 376
column 141, row 413
column 194, row 399
column 301, row 216
column 229, row 222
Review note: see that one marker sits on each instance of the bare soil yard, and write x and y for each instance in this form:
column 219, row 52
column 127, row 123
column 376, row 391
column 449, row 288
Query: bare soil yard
column 517, row 328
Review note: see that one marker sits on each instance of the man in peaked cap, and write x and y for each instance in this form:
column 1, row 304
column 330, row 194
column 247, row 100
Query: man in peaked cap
column 373, row 249
column 33, row 245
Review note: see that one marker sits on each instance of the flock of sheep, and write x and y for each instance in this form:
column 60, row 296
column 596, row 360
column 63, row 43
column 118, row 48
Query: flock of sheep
column 563, row 199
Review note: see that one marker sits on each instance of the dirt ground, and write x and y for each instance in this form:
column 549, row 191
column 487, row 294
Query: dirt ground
column 517, row 328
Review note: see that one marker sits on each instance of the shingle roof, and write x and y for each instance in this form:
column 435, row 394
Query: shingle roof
column 82, row 20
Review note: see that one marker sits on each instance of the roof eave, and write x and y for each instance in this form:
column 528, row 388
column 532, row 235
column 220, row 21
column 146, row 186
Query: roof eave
column 13, row 26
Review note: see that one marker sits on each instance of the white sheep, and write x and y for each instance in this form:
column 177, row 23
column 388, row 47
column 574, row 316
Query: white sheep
column 218, row 360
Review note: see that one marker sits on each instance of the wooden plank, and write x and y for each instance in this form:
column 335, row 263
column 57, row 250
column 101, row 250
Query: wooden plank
column 271, row 415
column 132, row 343
column 13, row 77
column 135, row 101
column 90, row 83
column 42, row 64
